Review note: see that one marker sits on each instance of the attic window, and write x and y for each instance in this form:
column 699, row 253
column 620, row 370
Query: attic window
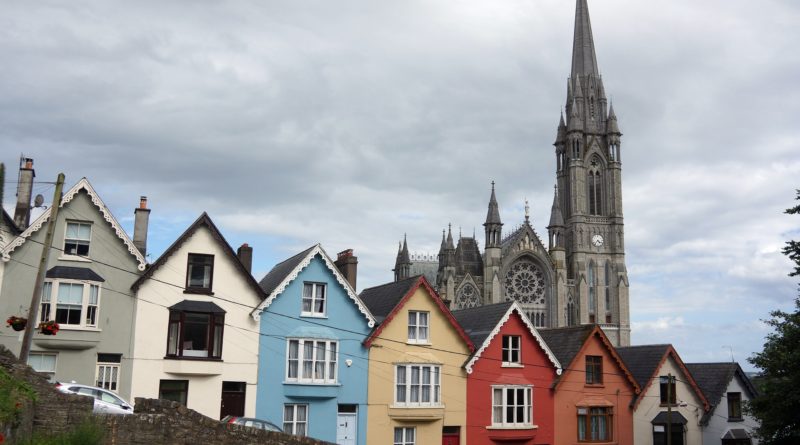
column 199, row 273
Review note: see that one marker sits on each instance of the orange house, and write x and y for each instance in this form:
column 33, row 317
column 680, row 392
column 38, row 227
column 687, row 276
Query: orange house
column 593, row 395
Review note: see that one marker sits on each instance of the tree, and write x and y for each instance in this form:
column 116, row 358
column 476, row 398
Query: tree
column 778, row 405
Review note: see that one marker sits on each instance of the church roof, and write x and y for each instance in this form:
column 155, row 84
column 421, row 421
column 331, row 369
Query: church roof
column 468, row 257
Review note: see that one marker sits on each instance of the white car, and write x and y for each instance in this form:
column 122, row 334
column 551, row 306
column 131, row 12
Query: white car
column 105, row 401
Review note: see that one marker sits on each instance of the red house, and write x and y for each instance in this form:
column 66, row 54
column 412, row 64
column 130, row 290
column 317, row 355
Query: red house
column 509, row 377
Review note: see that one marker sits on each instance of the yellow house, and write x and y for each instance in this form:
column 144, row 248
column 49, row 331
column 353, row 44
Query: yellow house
column 417, row 389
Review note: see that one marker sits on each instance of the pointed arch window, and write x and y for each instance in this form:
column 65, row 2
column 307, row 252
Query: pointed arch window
column 595, row 185
column 571, row 315
column 607, row 289
column 592, row 291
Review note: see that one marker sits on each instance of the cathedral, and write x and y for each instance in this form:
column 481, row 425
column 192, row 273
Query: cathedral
column 580, row 277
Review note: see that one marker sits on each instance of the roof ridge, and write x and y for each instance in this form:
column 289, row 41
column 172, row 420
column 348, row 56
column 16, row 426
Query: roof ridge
column 390, row 283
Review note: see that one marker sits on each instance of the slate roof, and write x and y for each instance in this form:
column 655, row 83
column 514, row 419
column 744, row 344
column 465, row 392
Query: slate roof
column 714, row 378
column 665, row 417
column 479, row 322
column 277, row 274
column 380, row 300
column 74, row 273
column 642, row 361
column 566, row 342
column 468, row 257
column 9, row 222
column 197, row 306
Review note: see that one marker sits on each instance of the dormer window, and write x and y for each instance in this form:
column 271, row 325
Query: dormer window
column 199, row 273
column 77, row 238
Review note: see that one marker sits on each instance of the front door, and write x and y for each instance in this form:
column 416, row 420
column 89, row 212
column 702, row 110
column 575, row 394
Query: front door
column 232, row 403
column 451, row 435
column 346, row 425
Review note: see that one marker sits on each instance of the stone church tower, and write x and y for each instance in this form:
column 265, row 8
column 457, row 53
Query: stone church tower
column 581, row 276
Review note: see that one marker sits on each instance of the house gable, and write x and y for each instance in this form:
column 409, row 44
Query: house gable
column 85, row 186
column 297, row 264
column 513, row 309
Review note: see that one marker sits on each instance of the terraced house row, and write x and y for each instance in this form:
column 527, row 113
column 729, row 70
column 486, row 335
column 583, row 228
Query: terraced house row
column 521, row 344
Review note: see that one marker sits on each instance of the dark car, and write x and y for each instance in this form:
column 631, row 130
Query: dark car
column 252, row 422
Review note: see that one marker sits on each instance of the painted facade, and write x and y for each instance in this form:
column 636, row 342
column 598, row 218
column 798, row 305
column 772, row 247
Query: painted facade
column 663, row 409
column 89, row 273
column 594, row 393
column 509, row 378
column 727, row 390
column 403, row 354
column 194, row 343
column 313, row 366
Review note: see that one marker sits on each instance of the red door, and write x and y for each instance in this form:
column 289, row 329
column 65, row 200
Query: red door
column 451, row 435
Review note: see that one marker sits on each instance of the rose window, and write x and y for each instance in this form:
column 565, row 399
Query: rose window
column 525, row 283
column 467, row 297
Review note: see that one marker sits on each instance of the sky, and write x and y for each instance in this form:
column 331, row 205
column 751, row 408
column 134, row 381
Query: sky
column 352, row 123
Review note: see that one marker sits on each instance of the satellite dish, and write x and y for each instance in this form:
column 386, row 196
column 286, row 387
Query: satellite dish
column 38, row 200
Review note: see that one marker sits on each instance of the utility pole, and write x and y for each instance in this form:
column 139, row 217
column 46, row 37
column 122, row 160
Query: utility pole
column 669, row 408
column 27, row 338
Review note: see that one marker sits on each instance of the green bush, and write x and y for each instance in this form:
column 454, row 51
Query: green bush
column 13, row 395
column 87, row 433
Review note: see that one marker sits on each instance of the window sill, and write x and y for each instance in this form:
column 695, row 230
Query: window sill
column 198, row 291
column 310, row 315
column 594, row 385
column 300, row 383
column 514, row 427
column 419, row 343
column 190, row 358
column 397, row 406
column 512, row 365
column 76, row 258
column 67, row 327
column 735, row 419
column 665, row 405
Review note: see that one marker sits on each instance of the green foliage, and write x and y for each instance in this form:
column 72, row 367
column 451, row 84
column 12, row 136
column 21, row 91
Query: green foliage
column 13, row 394
column 87, row 433
column 778, row 405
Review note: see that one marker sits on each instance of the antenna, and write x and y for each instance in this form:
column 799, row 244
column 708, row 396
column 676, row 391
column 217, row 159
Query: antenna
column 730, row 348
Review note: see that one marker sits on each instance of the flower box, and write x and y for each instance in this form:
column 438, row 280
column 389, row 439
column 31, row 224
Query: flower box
column 17, row 323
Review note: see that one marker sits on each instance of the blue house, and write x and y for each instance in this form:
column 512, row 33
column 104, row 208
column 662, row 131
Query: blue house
column 312, row 373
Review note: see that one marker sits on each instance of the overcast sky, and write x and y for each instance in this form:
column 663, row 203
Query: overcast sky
column 350, row 123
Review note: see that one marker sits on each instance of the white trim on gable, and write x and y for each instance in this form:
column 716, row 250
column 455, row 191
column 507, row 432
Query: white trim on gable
column 256, row 313
column 514, row 307
column 83, row 184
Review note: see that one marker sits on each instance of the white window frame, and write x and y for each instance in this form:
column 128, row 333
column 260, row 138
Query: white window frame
column 405, row 437
column 509, row 349
column 294, row 423
column 51, row 374
column 113, row 371
column 527, row 404
column 48, row 305
column 405, row 384
column 418, row 332
column 88, row 241
column 329, row 364
column 314, row 299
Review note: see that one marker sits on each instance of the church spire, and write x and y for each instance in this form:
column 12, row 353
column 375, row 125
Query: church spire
column 584, row 60
column 493, row 226
column 493, row 214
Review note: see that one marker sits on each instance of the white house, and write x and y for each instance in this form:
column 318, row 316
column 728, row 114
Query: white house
column 194, row 339
column 727, row 389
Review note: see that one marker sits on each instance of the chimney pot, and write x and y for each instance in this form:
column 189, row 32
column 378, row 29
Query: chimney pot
column 143, row 202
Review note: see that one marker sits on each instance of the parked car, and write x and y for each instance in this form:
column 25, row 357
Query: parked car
column 105, row 401
column 252, row 422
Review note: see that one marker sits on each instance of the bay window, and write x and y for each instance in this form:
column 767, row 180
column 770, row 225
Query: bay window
column 417, row 385
column 311, row 361
column 594, row 424
column 195, row 330
column 70, row 303
column 512, row 406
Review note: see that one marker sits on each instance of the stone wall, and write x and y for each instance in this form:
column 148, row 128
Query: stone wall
column 166, row 422
column 153, row 422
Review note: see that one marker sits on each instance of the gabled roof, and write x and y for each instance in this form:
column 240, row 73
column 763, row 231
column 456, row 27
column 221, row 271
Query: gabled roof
column 389, row 298
column 202, row 221
column 277, row 279
column 8, row 221
column 483, row 323
column 567, row 344
column 83, row 184
column 645, row 362
column 714, row 378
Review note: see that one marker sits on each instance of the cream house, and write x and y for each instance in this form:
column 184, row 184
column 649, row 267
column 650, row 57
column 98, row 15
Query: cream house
column 671, row 403
column 194, row 339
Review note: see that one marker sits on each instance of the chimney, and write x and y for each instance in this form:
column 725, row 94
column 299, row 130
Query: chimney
column 347, row 264
column 22, row 215
column 245, row 254
column 141, row 221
